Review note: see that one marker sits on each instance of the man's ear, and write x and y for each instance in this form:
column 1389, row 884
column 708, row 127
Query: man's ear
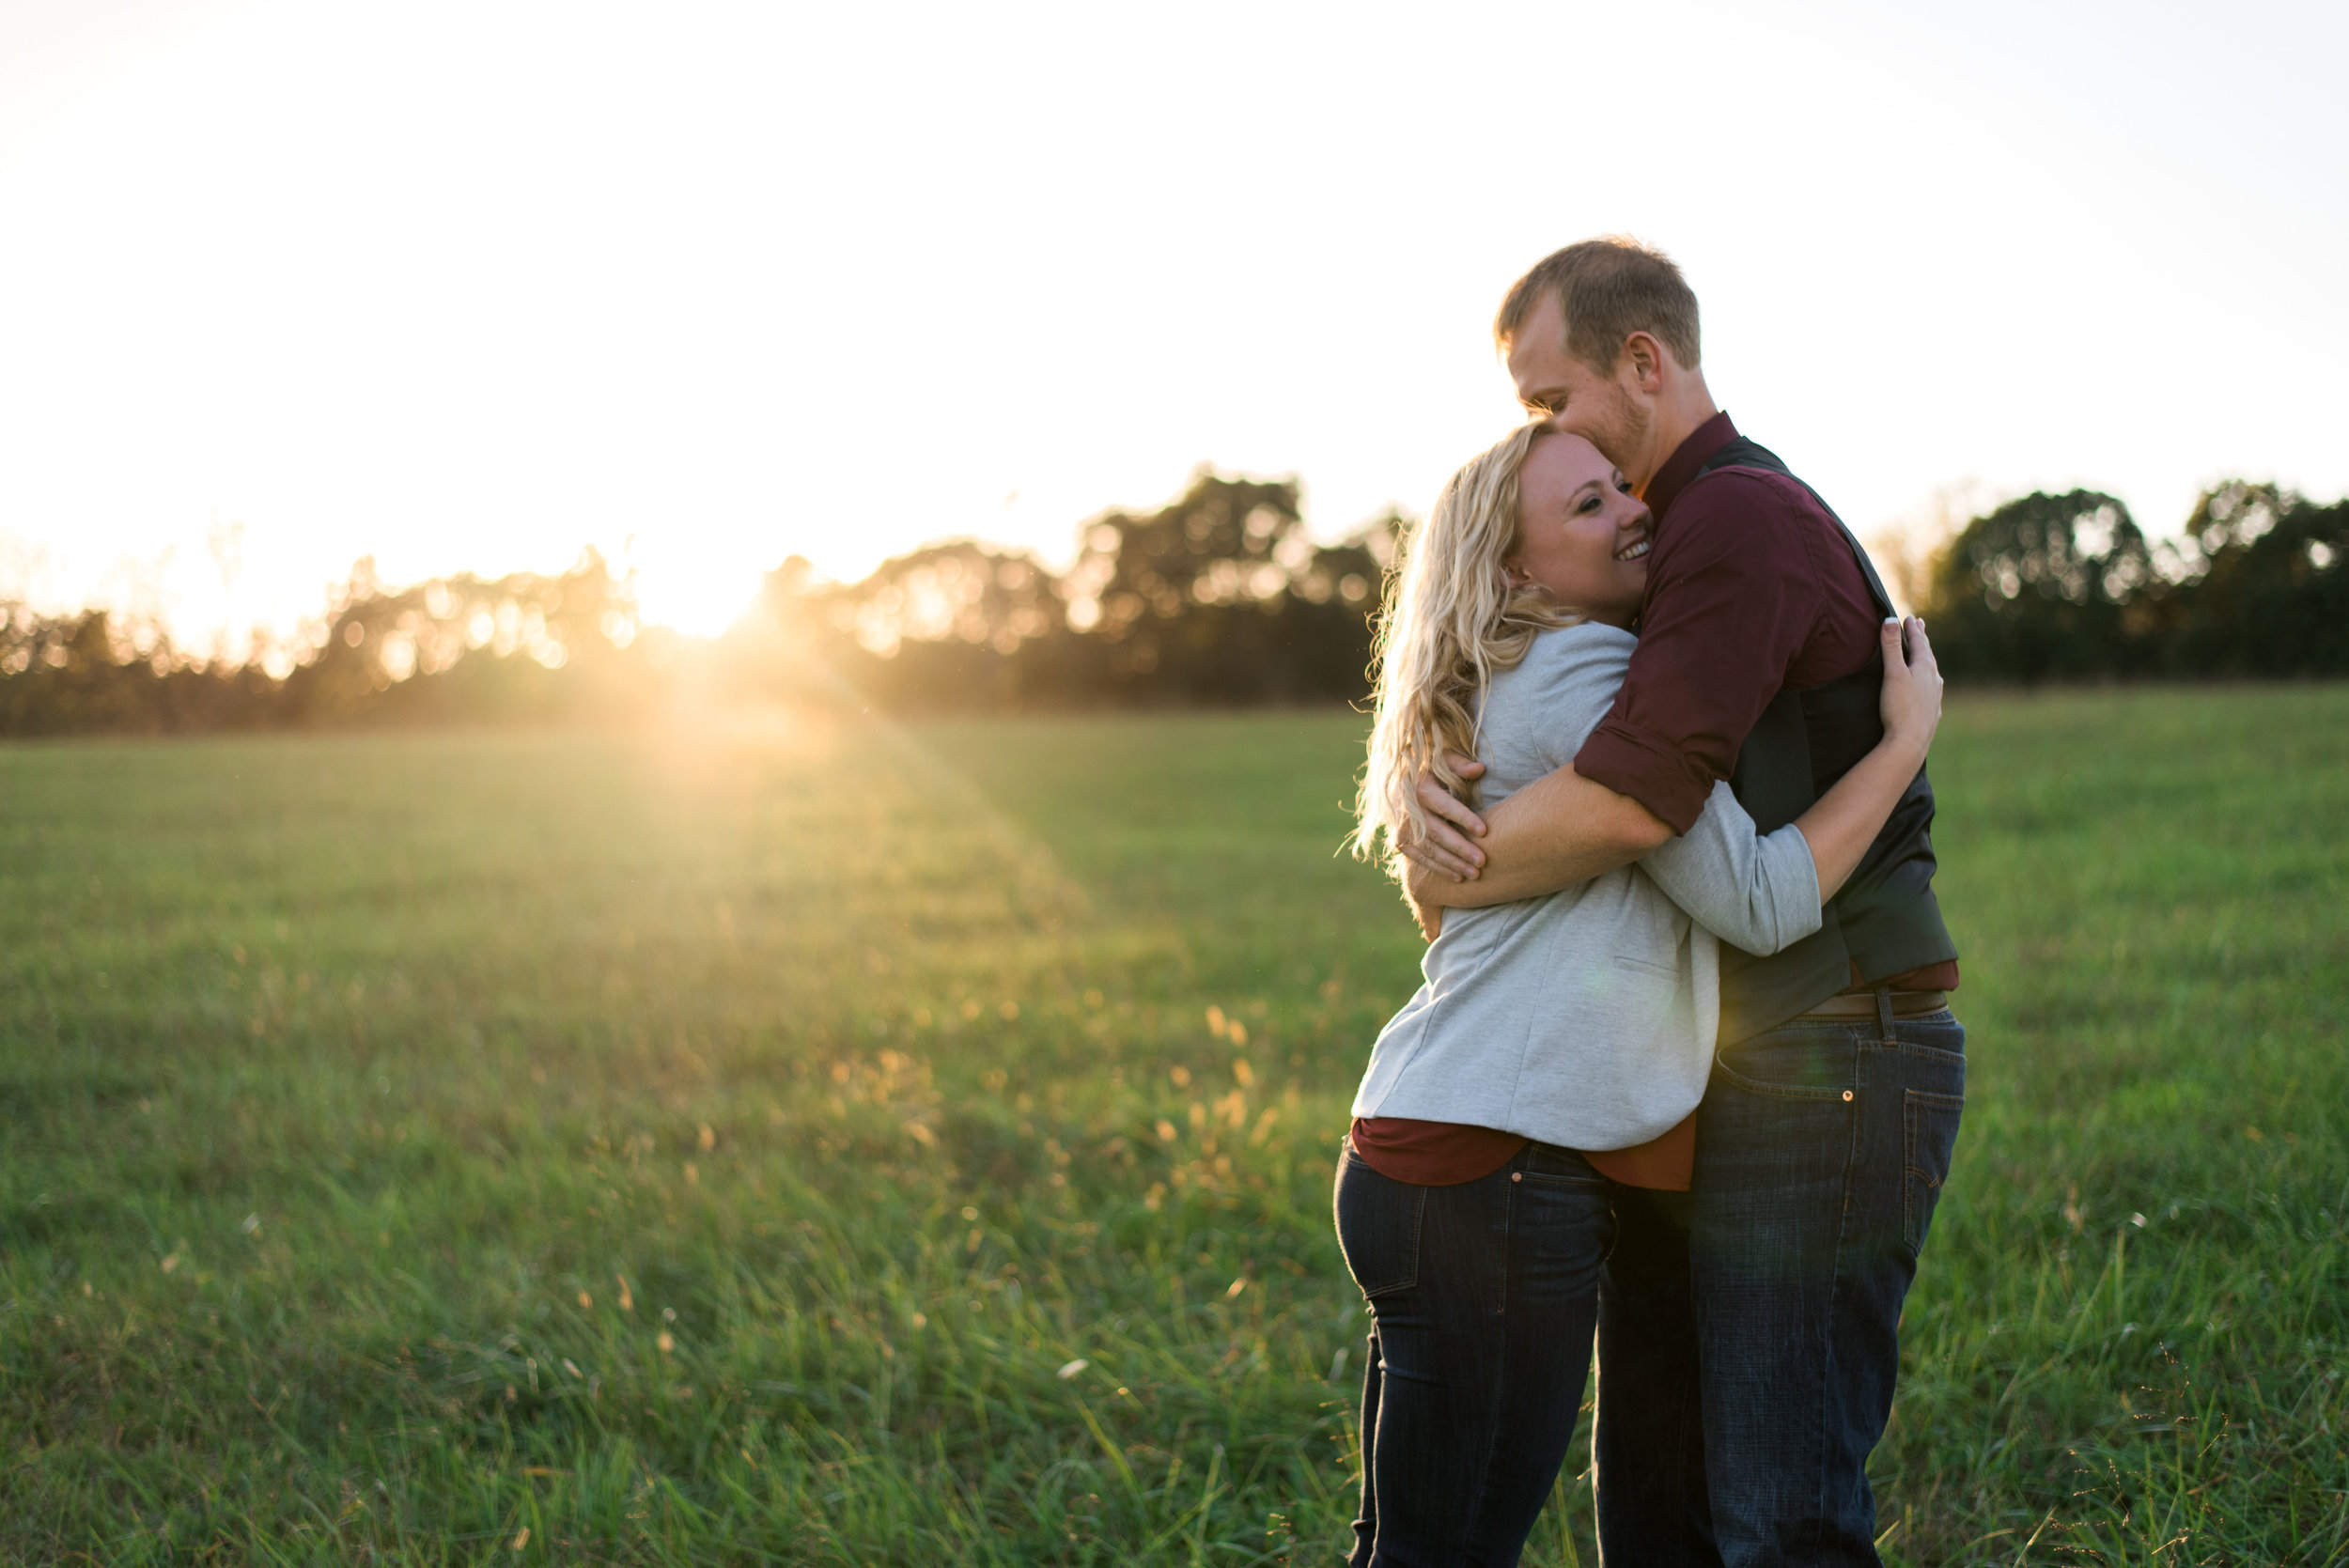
column 1646, row 356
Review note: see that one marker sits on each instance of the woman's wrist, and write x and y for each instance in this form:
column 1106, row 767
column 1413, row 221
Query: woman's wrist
column 1913, row 746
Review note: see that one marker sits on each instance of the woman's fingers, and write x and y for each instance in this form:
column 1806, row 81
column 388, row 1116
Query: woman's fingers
column 1907, row 713
column 1912, row 682
column 1920, row 647
column 1897, row 673
column 1922, row 667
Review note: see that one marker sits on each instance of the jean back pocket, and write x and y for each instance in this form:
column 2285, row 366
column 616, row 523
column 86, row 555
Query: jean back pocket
column 1929, row 1135
column 1379, row 1227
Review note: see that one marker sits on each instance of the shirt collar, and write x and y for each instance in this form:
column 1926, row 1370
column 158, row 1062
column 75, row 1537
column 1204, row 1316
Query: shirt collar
column 1681, row 467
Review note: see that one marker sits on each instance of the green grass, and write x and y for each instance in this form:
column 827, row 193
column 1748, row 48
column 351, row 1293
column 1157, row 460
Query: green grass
column 344, row 1081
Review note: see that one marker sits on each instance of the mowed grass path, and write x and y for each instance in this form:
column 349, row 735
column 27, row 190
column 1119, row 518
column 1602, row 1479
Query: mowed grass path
column 726, row 1147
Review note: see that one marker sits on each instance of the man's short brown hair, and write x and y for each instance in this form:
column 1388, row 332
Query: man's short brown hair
column 1607, row 288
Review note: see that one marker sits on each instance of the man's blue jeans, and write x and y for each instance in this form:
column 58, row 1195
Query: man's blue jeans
column 1484, row 1296
column 1821, row 1150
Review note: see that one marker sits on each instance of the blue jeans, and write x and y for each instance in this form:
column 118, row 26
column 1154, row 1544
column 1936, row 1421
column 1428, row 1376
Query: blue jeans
column 1483, row 1298
column 1821, row 1150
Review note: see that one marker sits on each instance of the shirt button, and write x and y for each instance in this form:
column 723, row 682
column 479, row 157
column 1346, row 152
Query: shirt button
column 1847, row 1096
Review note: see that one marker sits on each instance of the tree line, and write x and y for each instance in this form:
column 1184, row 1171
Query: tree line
column 1218, row 598
column 2066, row 587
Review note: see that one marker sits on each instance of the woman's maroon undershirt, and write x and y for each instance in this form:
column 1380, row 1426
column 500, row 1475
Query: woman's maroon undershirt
column 1445, row 1154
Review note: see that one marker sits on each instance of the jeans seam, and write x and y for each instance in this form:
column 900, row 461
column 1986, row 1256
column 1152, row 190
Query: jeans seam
column 1501, row 1383
column 1819, row 1504
column 1509, row 1236
column 1909, row 1173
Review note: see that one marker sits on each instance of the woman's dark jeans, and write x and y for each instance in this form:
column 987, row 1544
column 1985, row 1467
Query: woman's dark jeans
column 1485, row 1297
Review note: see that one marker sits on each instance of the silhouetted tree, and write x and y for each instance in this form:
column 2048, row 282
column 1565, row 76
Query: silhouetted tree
column 2260, row 587
column 452, row 649
column 2065, row 587
column 1218, row 598
column 2043, row 587
column 1221, row 596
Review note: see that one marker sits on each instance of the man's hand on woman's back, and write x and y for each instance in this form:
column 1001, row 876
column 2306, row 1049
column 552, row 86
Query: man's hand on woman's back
column 1448, row 849
column 1557, row 832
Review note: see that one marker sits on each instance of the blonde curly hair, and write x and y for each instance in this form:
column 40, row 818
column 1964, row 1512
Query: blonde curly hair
column 1452, row 621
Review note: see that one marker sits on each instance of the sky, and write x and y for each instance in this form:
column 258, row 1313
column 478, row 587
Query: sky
column 473, row 286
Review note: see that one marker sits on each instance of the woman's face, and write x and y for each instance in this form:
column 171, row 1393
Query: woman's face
column 1581, row 533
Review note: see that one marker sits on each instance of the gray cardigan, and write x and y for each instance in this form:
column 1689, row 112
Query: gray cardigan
column 1586, row 1018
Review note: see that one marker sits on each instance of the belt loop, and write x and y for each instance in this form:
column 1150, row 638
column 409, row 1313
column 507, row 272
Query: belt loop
column 1884, row 1010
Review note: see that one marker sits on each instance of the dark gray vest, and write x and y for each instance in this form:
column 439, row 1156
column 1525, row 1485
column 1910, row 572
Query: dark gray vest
column 1885, row 920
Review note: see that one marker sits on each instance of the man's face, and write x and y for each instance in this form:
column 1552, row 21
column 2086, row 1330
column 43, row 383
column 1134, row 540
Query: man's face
column 1553, row 383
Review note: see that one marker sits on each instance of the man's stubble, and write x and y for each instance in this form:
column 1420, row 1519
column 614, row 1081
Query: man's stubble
column 1620, row 426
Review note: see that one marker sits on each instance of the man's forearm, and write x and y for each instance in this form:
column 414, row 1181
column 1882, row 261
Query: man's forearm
column 1553, row 834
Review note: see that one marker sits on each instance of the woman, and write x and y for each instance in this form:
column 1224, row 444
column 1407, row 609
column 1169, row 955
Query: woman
column 1557, row 1041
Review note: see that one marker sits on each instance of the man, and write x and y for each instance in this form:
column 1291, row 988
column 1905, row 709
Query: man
column 1747, row 1361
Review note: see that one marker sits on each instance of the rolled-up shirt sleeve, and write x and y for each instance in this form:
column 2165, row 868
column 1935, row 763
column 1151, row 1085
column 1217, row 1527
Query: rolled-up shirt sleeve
column 1733, row 594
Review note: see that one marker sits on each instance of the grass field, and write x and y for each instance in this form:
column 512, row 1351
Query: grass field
column 859, row 1145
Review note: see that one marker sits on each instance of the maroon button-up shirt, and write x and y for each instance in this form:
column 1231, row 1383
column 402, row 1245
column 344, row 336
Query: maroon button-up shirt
column 1751, row 587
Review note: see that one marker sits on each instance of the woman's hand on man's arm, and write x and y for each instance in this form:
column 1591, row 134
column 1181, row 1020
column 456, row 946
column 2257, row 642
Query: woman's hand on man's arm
column 1910, row 704
column 1847, row 818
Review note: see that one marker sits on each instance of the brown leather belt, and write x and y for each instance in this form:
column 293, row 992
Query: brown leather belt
column 1905, row 1004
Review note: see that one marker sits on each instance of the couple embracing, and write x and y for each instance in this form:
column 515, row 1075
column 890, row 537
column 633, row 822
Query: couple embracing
column 1649, row 757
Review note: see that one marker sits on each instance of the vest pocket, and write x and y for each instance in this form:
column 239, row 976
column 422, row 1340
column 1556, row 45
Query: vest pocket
column 1929, row 1135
